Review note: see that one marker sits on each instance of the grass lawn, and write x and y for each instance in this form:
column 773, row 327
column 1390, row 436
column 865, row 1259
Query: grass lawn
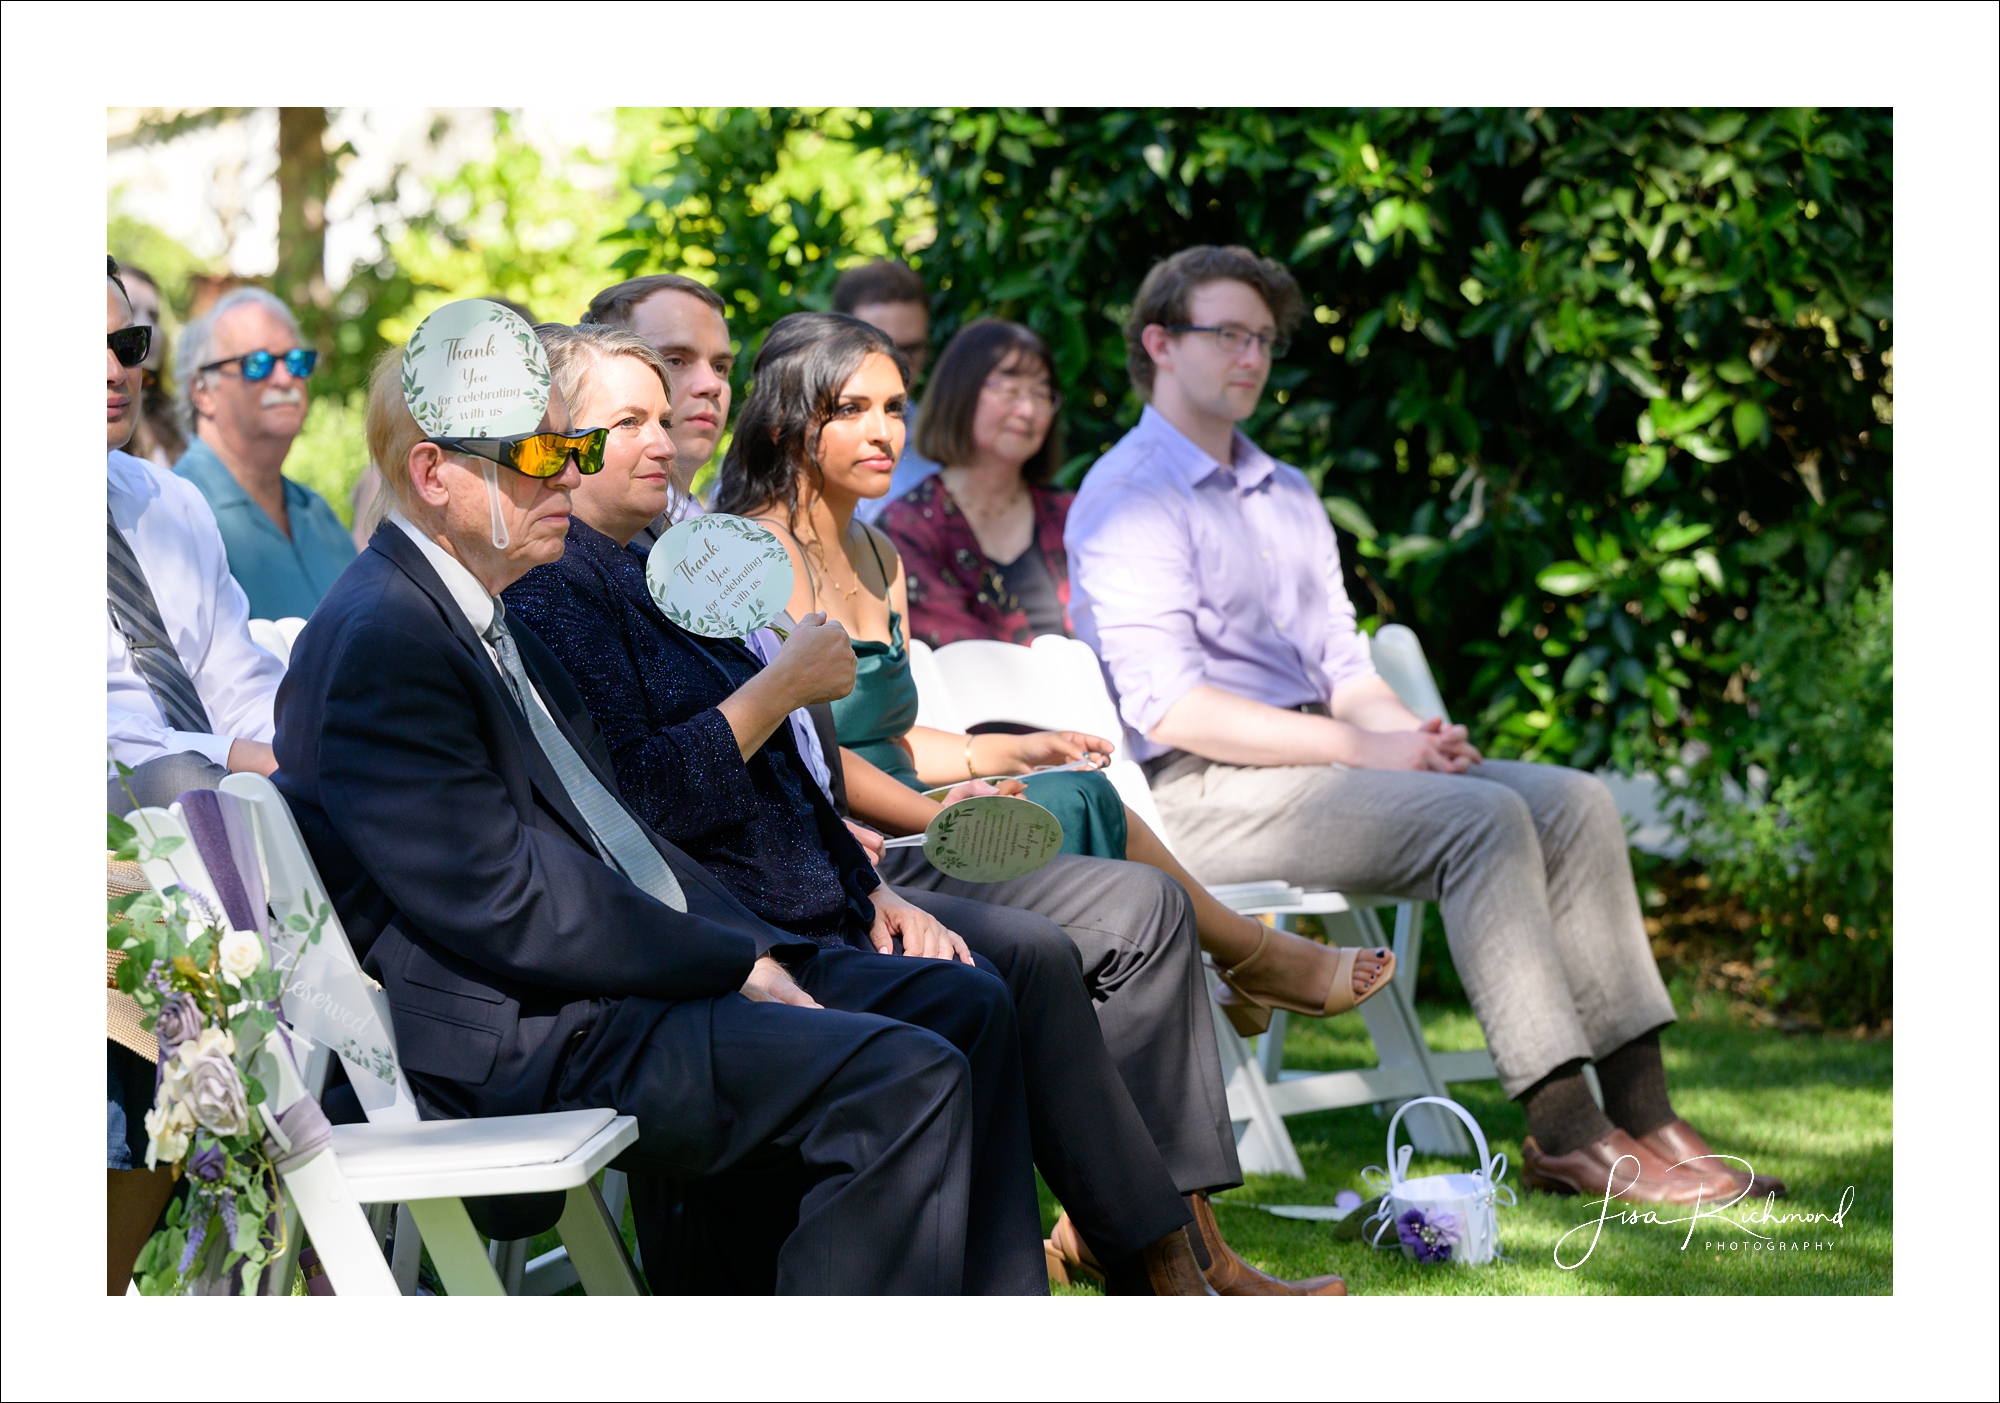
column 1815, row 1110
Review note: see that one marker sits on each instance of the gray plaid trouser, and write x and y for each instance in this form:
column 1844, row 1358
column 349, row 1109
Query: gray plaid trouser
column 1527, row 862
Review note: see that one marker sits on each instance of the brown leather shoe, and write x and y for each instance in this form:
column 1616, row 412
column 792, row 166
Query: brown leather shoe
column 1167, row 1268
column 1634, row 1173
column 1069, row 1257
column 1681, row 1144
column 1230, row 1275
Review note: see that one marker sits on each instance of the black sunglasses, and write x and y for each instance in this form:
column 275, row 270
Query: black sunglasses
column 539, row 455
column 130, row 344
column 258, row 365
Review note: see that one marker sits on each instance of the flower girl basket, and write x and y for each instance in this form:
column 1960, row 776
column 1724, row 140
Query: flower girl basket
column 1441, row 1217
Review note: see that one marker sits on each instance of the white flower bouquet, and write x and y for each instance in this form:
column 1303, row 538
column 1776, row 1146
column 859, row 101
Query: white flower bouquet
column 210, row 995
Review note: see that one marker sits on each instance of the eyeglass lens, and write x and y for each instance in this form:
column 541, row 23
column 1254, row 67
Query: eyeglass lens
column 1236, row 339
column 130, row 344
column 299, row 362
column 545, row 455
column 1014, row 390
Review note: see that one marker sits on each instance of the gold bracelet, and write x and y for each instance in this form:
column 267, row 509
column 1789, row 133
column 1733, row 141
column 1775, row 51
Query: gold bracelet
column 970, row 772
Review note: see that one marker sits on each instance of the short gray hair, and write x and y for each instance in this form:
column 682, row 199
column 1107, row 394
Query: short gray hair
column 197, row 346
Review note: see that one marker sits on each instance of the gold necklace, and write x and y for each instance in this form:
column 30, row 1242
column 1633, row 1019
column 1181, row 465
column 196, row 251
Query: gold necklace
column 845, row 591
column 826, row 571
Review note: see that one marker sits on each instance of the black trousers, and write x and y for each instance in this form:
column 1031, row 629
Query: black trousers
column 735, row 1223
column 970, row 1008
column 1091, row 1144
column 1133, row 928
column 722, row 1236
column 876, row 1116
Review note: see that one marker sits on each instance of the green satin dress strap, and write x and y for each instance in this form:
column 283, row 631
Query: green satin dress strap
column 879, row 712
column 874, row 717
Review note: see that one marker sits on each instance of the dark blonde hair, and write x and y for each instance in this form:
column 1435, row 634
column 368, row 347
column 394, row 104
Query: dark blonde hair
column 614, row 306
column 883, row 281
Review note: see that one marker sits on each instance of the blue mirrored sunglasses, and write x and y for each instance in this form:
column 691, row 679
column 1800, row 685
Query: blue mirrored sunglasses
column 258, row 365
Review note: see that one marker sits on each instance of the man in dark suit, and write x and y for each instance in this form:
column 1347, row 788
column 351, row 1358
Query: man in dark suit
column 543, row 950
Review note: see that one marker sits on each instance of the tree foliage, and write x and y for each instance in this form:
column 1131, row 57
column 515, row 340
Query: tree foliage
column 766, row 205
column 1573, row 381
column 1812, row 854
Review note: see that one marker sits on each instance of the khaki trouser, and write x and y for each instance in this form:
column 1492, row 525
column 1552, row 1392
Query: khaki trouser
column 1527, row 862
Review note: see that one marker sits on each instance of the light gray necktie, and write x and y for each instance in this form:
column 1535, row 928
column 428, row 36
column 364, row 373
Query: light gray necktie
column 618, row 837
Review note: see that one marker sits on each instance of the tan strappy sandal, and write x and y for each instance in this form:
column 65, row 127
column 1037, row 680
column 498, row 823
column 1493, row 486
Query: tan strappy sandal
column 1250, row 1014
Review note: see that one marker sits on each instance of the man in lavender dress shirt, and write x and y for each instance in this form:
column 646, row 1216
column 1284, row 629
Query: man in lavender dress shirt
column 1206, row 576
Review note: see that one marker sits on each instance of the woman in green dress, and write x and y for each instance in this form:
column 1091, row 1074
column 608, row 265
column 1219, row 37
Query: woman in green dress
column 820, row 432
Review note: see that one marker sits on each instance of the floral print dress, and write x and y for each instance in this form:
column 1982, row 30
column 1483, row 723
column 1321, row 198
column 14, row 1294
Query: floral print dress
column 956, row 592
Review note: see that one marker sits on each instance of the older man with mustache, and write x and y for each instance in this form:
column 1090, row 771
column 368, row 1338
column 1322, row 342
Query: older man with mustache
column 243, row 402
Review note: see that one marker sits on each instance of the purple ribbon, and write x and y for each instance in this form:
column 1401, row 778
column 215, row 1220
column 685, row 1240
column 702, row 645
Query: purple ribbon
column 221, row 833
column 306, row 1126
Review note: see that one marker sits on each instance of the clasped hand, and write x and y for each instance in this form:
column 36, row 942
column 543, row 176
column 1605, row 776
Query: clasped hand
column 1432, row 746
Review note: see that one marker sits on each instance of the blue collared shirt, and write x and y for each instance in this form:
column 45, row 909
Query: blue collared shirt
column 285, row 578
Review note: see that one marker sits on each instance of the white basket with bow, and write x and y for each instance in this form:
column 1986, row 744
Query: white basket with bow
column 1440, row 1217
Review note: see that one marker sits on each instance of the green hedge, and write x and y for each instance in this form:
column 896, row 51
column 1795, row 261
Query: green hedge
column 1811, row 854
column 1573, row 381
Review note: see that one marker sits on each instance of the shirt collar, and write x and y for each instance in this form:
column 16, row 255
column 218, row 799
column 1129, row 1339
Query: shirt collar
column 471, row 597
column 219, row 484
column 124, row 472
column 1252, row 464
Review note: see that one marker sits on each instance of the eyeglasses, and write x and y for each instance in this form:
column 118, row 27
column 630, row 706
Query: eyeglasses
column 1013, row 390
column 1236, row 339
column 130, row 344
column 258, row 365
column 541, row 455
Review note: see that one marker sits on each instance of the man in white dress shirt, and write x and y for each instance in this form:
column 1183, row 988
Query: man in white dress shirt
column 188, row 695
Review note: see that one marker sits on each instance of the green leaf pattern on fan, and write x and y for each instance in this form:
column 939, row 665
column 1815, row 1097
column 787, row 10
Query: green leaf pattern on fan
column 719, row 576
column 473, row 369
column 992, row 838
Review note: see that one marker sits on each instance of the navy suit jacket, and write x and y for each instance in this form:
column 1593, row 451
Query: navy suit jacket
column 465, row 877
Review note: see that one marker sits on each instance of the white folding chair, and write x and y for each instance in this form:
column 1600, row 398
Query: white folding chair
column 276, row 636
column 1058, row 684
column 424, row 1169
column 266, row 635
